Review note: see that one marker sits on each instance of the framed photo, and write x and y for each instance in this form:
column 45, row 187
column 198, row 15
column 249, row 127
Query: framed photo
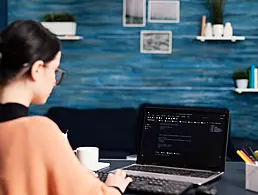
column 134, row 13
column 164, row 11
column 156, row 41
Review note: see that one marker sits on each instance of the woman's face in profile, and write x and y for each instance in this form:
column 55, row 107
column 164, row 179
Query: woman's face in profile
column 45, row 79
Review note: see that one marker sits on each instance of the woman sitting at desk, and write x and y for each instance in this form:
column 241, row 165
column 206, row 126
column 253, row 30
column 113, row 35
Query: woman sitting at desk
column 35, row 159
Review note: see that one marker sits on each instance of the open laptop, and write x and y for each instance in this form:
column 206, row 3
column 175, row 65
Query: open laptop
column 181, row 143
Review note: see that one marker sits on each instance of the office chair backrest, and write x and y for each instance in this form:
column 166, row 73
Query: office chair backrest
column 108, row 129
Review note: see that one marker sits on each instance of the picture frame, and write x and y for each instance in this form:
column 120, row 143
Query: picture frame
column 163, row 11
column 156, row 41
column 134, row 13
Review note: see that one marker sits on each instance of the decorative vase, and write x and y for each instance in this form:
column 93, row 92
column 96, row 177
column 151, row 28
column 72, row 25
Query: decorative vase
column 242, row 83
column 228, row 30
column 208, row 30
column 217, row 30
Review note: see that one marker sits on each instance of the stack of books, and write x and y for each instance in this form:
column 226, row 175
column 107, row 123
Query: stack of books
column 253, row 77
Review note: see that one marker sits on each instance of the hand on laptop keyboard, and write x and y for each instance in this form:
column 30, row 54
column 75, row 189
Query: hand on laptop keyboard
column 118, row 179
column 152, row 185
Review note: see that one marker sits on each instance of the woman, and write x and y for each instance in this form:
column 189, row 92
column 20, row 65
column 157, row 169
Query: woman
column 35, row 159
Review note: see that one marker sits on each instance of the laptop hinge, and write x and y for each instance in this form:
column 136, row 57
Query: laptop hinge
column 182, row 168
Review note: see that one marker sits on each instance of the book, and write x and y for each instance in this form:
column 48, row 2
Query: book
column 252, row 76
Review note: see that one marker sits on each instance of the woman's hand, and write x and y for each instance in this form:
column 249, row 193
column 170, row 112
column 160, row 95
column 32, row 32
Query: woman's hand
column 118, row 179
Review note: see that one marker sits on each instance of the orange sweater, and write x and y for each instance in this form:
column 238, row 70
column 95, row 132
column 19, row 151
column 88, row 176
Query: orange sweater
column 35, row 159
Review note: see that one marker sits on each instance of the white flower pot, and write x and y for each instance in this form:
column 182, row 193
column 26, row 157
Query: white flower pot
column 217, row 30
column 242, row 83
column 61, row 28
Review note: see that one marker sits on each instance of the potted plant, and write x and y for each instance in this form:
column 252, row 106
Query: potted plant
column 60, row 23
column 241, row 78
column 217, row 16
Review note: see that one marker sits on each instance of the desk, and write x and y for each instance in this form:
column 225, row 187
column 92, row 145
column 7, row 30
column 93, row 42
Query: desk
column 232, row 183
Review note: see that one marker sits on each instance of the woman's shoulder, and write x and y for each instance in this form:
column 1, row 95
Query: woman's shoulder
column 42, row 122
column 31, row 122
column 46, row 130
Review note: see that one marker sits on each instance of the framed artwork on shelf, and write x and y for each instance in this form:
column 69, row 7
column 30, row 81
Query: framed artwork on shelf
column 134, row 13
column 156, row 41
column 164, row 11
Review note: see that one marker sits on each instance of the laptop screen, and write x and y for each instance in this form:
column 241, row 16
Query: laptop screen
column 185, row 137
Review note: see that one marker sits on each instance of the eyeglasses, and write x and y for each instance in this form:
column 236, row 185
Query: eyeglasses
column 59, row 74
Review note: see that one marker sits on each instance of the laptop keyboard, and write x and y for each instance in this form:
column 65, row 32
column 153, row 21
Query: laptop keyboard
column 150, row 185
column 171, row 171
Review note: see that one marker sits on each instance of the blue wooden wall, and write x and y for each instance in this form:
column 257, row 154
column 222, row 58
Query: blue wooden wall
column 3, row 13
column 106, row 69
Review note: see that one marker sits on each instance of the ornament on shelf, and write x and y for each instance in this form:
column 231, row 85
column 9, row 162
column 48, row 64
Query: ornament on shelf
column 228, row 30
column 208, row 30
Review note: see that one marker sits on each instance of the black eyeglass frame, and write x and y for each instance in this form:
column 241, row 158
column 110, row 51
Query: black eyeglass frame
column 61, row 77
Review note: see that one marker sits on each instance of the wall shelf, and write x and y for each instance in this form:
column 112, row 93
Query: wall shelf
column 247, row 90
column 70, row 38
column 233, row 38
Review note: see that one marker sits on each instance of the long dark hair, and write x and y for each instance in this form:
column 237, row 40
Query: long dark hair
column 24, row 42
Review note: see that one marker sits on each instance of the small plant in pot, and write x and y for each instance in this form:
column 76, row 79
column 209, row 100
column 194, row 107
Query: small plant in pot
column 60, row 23
column 217, row 16
column 241, row 78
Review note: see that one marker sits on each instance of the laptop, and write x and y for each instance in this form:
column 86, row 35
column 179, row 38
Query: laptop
column 181, row 143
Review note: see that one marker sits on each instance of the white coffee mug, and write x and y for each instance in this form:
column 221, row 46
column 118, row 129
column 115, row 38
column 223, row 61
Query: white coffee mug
column 88, row 156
